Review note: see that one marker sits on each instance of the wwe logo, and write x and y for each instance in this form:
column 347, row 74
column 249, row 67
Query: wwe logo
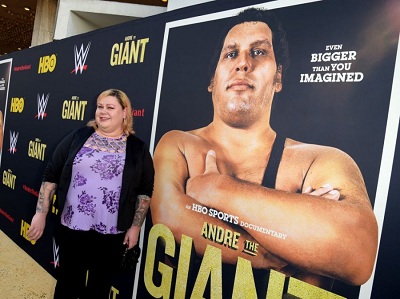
column 56, row 255
column 13, row 142
column 42, row 104
column 80, row 58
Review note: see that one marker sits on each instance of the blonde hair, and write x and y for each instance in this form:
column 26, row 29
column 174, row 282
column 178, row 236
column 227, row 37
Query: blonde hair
column 124, row 101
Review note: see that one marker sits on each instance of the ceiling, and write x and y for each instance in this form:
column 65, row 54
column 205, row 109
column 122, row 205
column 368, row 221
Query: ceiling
column 17, row 18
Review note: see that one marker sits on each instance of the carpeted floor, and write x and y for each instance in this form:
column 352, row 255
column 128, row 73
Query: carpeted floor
column 21, row 277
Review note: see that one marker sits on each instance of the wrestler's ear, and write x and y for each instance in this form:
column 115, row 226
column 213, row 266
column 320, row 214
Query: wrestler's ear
column 211, row 85
column 278, row 79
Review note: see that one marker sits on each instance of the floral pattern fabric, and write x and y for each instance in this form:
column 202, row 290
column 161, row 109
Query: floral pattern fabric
column 93, row 196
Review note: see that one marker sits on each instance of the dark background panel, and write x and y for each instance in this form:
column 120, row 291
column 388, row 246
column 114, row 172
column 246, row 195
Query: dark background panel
column 350, row 116
column 60, row 85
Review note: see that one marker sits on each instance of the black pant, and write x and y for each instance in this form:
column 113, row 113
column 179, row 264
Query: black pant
column 85, row 253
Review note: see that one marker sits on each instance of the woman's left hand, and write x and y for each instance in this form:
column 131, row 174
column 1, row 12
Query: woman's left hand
column 132, row 236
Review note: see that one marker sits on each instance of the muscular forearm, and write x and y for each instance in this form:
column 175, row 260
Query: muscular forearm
column 315, row 234
column 178, row 212
column 46, row 194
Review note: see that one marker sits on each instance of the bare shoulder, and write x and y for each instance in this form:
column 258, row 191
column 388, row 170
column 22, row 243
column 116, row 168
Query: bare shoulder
column 178, row 135
column 301, row 150
column 183, row 149
column 181, row 139
column 177, row 145
column 315, row 165
column 174, row 135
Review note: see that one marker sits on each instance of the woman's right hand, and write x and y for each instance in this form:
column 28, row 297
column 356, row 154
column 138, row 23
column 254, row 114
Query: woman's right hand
column 37, row 226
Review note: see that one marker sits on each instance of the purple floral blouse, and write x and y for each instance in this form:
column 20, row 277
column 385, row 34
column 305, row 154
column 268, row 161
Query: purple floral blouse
column 93, row 195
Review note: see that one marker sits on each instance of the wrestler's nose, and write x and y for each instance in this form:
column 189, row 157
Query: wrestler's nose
column 243, row 63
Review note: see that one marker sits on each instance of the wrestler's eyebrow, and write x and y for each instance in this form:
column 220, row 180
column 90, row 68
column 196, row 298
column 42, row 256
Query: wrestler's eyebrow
column 261, row 42
column 256, row 43
column 229, row 47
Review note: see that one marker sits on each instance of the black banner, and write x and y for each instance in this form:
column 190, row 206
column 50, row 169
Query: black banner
column 337, row 92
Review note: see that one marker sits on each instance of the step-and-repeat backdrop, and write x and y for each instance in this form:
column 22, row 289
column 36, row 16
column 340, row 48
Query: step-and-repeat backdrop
column 339, row 90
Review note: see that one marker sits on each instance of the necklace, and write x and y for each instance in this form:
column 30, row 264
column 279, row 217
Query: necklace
column 107, row 144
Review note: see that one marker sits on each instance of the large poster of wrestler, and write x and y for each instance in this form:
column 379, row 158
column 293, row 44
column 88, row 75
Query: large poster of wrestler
column 269, row 128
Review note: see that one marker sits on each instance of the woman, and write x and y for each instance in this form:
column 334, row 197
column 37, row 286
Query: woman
column 104, row 177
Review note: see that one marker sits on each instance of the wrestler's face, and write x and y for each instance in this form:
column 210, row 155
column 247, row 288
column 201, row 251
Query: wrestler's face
column 109, row 116
column 246, row 77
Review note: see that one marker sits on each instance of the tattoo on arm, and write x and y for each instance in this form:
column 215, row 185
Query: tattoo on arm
column 46, row 194
column 142, row 206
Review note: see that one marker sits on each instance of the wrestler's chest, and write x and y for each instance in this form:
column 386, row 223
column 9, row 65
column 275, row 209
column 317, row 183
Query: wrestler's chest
column 249, row 171
column 289, row 177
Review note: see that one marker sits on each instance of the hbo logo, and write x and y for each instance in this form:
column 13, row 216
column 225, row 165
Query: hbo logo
column 47, row 64
column 17, row 105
